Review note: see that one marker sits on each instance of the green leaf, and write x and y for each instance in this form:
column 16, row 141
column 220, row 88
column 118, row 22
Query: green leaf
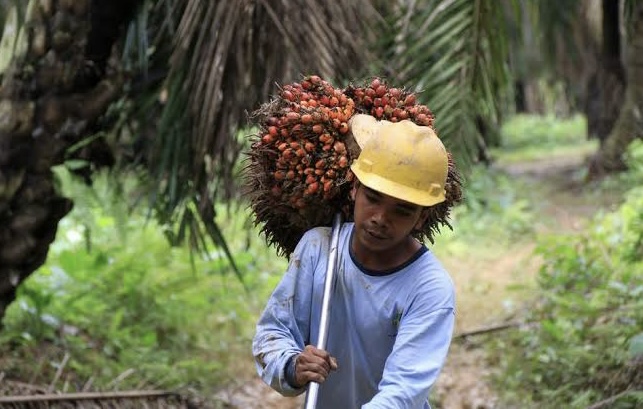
column 75, row 164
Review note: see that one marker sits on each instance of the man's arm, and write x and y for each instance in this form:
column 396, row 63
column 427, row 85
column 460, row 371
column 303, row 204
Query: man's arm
column 284, row 327
column 418, row 355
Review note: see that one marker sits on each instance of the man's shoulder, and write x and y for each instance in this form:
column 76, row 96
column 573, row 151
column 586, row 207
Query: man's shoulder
column 431, row 278
column 323, row 234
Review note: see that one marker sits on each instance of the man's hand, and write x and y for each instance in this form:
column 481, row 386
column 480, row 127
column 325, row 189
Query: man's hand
column 313, row 365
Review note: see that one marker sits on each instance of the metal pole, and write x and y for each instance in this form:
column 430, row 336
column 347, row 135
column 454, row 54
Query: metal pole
column 331, row 267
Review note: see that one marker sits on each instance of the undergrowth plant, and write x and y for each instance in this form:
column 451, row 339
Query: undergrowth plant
column 117, row 306
column 582, row 343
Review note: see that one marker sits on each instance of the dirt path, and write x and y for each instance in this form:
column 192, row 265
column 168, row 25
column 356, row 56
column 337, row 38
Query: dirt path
column 481, row 281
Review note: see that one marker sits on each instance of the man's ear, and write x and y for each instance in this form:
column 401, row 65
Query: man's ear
column 424, row 215
column 354, row 190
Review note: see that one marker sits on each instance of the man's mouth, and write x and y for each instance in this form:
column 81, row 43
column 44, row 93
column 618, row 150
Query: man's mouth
column 375, row 235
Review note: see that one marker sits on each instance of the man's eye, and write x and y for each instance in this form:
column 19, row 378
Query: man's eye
column 404, row 212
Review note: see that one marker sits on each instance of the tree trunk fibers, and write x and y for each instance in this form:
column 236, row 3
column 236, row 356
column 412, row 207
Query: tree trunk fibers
column 628, row 126
column 42, row 114
column 607, row 85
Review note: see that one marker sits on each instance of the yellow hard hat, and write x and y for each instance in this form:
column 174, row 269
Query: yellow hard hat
column 402, row 159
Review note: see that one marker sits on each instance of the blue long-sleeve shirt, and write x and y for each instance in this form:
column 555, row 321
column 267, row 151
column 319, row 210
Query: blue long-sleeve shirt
column 390, row 333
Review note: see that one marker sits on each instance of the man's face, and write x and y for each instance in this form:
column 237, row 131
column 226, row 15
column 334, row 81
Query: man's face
column 383, row 222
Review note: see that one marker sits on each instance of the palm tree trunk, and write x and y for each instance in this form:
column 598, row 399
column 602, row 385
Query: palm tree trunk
column 604, row 106
column 42, row 113
column 610, row 156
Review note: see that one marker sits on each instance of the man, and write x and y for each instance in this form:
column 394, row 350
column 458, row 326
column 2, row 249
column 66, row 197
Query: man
column 393, row 306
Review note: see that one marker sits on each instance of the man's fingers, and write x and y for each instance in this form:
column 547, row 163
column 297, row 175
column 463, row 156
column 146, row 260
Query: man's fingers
column 311, row 376
column 330, row 360
column 319, row 366
column 333, row 363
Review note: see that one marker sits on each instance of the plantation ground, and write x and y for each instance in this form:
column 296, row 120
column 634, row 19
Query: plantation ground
column 493, row 283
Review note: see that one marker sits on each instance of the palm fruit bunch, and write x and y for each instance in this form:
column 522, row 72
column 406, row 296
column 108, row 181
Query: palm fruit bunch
column 298, row 176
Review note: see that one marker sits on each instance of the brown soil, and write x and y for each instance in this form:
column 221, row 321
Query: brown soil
column 481, row 282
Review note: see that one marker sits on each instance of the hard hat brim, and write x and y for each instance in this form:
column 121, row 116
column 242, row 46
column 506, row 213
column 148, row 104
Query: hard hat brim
column 399, row 191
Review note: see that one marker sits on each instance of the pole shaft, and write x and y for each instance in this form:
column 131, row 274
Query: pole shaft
column 331, row 267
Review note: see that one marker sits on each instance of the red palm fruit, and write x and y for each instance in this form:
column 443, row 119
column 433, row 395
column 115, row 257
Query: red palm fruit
column 395, row 93
column 312, row 188
column 380, row 91
column 343, row 128
column 328, row 185
column 342, row 161
column 287, row 95
column 318, row 129
column 267, row 139
column 409, row 100
column 315, row 79
column 376, row 83
column 306, row 119
column 273, row 121
column 293, row 117
column 280, row 175
column 423, row 119
column 290, row 175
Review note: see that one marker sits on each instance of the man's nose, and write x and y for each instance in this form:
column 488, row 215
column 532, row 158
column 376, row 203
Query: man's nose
column 380, row 217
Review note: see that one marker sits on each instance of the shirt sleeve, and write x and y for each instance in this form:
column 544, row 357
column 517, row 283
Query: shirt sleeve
column 283, row 328
column 418, row 355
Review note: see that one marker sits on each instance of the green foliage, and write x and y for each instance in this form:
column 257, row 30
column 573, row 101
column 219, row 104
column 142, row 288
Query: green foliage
column 524, row 131
column 493, row 208
column 127, row 303
column 455, row 52
column 588, row 316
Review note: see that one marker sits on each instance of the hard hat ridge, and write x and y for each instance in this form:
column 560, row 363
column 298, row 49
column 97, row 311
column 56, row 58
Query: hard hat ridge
column 402, row 160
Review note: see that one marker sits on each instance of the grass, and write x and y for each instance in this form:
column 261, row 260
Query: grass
column 531, row 137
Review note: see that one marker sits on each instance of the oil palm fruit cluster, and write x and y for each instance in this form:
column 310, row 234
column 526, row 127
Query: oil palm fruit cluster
column 389, row 103
column 298, row 174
